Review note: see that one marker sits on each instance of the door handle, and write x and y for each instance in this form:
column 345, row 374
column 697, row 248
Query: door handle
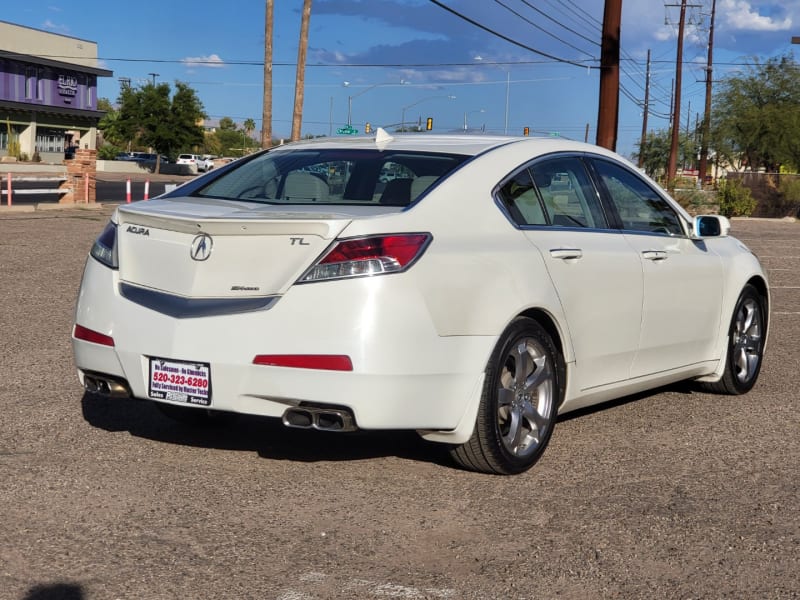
column 566, row 253
column 654, row 255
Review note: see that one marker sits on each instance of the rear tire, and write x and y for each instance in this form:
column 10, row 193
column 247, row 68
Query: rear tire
column 521, row 395
column 745, row 344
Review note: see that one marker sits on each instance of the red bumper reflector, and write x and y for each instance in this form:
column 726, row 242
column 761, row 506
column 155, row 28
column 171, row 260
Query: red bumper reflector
column 88, row 335
column 326, row 362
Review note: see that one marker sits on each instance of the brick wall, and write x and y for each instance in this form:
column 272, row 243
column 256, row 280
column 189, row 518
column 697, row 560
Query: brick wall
column 84, row 163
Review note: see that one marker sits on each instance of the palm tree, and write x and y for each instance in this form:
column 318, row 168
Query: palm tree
column 249, row 127
column 302, row 50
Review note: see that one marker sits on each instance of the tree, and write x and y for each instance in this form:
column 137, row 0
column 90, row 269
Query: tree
column 300, row 80
column 756, row 115
column 249, row 127
column 110, row 124
column 149, row 117
column 655, row 152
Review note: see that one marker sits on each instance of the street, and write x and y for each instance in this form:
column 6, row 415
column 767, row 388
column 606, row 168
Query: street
column 670, row 494
column 111, row 188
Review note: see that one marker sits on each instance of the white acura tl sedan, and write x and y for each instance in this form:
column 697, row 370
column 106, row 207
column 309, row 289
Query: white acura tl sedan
column 468, row 288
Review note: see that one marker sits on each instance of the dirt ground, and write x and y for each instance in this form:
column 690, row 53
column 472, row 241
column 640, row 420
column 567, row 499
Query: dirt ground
column 672, row 494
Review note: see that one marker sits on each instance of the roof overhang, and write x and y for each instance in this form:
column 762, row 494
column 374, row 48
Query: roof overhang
column 80, row 113
column 57, row 64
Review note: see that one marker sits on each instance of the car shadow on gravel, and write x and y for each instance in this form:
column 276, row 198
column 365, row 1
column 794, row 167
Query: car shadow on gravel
column 265, row 436
column 684, row 388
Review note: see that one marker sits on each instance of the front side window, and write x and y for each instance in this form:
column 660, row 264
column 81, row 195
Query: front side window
column 639, row 206
column 333, row 176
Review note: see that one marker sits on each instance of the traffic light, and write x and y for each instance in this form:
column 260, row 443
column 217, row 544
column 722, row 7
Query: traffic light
column 367, row 128
column 526, row 131
column 429, row 124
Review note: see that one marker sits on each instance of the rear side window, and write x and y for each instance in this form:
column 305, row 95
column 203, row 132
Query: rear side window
column 556, row 192
column 639, row 206
column 333, row 176
column 520, row 198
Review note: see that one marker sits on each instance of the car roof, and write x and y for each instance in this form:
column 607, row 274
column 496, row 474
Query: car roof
column 465, row 144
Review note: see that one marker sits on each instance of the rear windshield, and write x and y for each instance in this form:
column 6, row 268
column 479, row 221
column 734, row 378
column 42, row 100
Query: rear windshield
column 390, row 178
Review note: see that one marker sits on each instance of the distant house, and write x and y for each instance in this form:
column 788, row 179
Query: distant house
column 48, row 92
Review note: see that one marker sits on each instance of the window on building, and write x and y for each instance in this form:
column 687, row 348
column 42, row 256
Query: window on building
column 49, row 139
column 30, row 83
column 33, row 83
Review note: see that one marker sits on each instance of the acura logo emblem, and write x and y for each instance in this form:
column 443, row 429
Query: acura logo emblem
column 201, row 247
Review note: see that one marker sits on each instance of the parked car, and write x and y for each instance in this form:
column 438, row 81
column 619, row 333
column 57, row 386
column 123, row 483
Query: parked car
column 200, row 163
column 500, row 283
column 147, row 157
column 188, row 159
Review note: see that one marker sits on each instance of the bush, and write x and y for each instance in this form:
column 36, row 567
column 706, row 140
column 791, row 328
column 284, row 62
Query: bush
column 108, row 152
column 697, row 202
column 789, row 202
column 735, row 200
column 790, row 188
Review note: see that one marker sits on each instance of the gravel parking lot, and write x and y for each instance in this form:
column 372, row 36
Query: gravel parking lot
column 674, row 494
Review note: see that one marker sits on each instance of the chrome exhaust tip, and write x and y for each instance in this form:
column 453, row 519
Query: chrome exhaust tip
column 105, row 386
column 322, row 419
column 298, row 417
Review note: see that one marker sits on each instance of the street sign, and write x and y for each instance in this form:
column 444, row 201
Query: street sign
column 347, row 130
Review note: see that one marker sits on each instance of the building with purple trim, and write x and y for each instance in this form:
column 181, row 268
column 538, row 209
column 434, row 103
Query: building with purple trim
column 48, row 92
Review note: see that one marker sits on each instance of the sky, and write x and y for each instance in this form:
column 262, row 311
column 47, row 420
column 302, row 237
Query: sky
column 492, row 65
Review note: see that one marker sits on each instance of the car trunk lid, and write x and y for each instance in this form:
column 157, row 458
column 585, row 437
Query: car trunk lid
column 214, row 251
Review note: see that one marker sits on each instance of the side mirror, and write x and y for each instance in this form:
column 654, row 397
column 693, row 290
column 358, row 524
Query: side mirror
column 710, row 226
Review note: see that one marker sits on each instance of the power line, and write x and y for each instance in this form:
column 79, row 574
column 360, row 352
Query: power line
column 508, row 39
column 560, row 24
column 542, row 29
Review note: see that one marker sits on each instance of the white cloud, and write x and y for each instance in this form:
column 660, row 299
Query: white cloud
column 740, row 15
column 212, row 61
column 48, row 25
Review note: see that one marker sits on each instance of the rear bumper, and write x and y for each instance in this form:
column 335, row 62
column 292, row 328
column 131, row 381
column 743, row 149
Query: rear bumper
column 405, row 376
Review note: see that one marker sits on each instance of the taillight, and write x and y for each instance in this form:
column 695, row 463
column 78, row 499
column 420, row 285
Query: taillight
column 104, row 248
column 90, row 335
column 375, row 255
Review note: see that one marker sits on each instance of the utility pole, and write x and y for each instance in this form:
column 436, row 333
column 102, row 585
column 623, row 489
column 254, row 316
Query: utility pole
column 672, row 167
column 646, row 110
column 266, row 109
column 300, row 80
column 703, row 167
column 608, row 110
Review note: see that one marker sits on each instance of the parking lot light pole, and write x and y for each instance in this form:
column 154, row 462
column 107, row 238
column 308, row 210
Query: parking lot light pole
column 403, row 116
column 508, row 92
column 364, row 91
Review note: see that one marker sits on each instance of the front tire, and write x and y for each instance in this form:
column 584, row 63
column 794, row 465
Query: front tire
column 745, row 344
column 521, row 395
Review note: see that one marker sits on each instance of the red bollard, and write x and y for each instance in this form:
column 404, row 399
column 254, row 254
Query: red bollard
column 86, row 188
column 128, row 191
column 8, row 181
column 147, row 189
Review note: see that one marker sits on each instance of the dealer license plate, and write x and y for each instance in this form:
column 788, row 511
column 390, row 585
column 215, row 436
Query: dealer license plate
column 179, row 381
